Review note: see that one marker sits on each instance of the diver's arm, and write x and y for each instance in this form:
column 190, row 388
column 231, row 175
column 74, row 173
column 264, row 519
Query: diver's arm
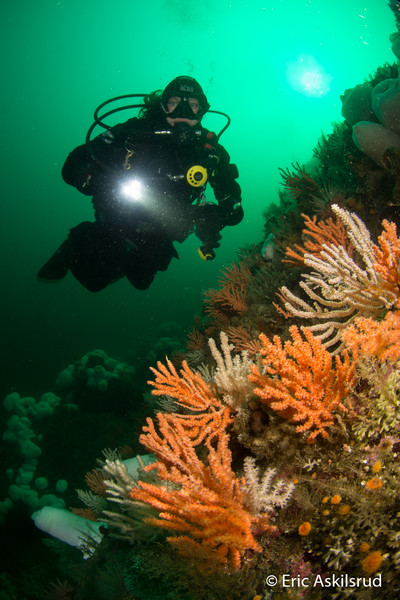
column 88, row 166
column 226, row 189
column 79, row 170
column 211, row 218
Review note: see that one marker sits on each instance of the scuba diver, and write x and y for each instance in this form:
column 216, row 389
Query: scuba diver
column 147, row 178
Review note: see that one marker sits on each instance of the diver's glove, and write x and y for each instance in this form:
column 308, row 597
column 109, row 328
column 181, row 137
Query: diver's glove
column 206, row 252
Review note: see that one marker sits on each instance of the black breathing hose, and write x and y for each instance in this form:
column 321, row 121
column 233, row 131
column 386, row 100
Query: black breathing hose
column 98, row 119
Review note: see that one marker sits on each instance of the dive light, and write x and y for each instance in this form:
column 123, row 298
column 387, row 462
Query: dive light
column 132, row 190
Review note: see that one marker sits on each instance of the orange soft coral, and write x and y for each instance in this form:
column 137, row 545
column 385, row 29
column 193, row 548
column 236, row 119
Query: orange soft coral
column 388, row 258
column 206, row 413
column 205, row 503
column 301, row 383
column 329, row 231
column 243, row 340
column 188, row 389
column 299, row 182
column 369, row 337
column 230, row 298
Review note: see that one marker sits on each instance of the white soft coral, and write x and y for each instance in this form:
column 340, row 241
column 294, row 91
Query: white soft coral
column 263, row 493
column 231, row 373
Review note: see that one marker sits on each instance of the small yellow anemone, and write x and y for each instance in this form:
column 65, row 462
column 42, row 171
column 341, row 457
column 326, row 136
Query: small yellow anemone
column 377, row 466
column 344, row 510
column 305, row 528
column 374, row 484
column 372, row 562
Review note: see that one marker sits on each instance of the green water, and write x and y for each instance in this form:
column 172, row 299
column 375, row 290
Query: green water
column 60, row 59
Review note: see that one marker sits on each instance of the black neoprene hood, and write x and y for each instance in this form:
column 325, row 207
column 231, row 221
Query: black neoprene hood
column 185, row 87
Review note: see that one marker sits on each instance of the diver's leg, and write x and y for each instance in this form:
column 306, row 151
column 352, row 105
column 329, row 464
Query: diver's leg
column 91, row 253
column 96, row 257
column 57, row 266
column 142, row 262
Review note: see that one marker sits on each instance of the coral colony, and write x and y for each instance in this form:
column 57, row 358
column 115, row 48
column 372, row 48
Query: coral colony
column 269, row 465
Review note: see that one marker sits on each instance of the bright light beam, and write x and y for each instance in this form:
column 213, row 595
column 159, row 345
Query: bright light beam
column 132, row 190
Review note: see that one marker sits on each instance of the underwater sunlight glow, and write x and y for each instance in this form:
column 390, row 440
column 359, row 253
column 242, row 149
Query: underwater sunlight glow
column 306, row 76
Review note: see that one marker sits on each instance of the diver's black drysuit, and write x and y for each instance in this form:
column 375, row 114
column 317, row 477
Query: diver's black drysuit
column 145, row 196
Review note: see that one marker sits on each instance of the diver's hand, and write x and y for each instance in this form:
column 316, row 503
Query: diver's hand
column 206, row 252
column 231, row 214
